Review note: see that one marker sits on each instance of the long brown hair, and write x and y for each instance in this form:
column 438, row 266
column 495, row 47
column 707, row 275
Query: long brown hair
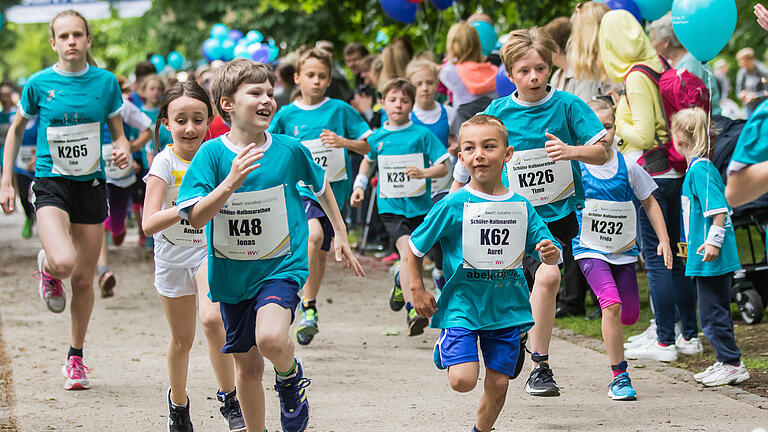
column 71, row 12
column 188, row 88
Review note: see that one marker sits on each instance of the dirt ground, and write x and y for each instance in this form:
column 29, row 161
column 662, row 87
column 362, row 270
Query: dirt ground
column 362, row 380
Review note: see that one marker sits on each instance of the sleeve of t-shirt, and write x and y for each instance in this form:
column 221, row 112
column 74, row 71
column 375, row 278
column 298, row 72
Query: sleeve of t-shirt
column 355, row 126
column 372, row 155
column 113, row 96
column 538, row 232
column 28, row 101
column 199, row 180
column 135, row 118
column 431, row 229
column 642, row 183
column 161, row 167
column 307, row 170
column 752, row 146
column 460, row 173
column 708, row 188
column 584, row 123
column 435, row 149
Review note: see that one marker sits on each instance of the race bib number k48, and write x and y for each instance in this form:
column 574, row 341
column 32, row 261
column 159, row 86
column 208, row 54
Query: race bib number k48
column 332, row 160
column 75, row 150
column 608, row 226
column 538, row 178
column 493, row 235
column 394, row 182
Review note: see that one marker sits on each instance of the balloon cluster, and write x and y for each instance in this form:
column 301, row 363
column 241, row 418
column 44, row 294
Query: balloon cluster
column 225, row 44
column 174, row 60
column 405, row 10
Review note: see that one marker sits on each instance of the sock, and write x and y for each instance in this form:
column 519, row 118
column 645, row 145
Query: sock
column 75, row 352
column 310, row 304
column 222, row 397
column 283, row 376
column 662, row 345
column 736, row 363
column 102, row 270
column 408, row 306
column 178, row 407
column 619, row 368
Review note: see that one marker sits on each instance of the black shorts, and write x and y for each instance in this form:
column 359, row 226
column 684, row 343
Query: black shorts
column 314, row 211
column 84, row 201
column 398, row 225
column 564, row 230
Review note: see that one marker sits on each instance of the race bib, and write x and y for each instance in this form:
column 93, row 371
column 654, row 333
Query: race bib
column 394, row 182
column 608, row 226
column 332, row 160
column 493, row 235
column 181, row 233
column 110, row 169
column 25, row 156
column 75, row 149
column 685, row 205
column 252, row 226
column 443, row 183
column 538, row 178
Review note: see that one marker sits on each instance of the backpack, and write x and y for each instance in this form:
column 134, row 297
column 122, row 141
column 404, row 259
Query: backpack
column 679, row 89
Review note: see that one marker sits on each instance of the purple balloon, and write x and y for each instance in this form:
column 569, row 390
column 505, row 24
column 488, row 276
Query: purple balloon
column 400, row 10
column 628, row 5
column 442, row 4
column 504, row 87
column 235, row 35
column 261, row 55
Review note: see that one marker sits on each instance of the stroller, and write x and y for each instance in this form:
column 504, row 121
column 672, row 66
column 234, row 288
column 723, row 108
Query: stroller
column 750, row 283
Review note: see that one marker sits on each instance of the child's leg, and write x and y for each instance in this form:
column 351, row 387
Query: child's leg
column 210, row 317
column 317, row 259
column 404, row 250
column 272, row 339
column 86, row 239
column 180, row 313
column 715, row 315
column 494, row 394
column 249, row 370
column 600, row 278
column 543, row 299
column 463, row 376
column 626, row 282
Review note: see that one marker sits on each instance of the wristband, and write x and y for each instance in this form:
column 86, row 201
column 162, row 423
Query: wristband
column 361, row 181
column 716, row 236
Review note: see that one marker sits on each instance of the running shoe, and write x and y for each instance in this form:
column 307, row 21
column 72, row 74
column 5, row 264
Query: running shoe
column 699, row 377
column 621, row 388
column 542, row 382
column 416, row 323
column 51, row 289
column 294, row 407
column 396, row 299
column 75, row 372
column 727, row 374
column 306, row 328
column 178, row 417
column 26, row 232
column 230, row 409
column 107, row 283
column 391, row 258
column 641, row 339
column 653, row 351
column 688, row 346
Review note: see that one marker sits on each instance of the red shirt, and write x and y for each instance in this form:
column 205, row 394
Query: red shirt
column 217, row 128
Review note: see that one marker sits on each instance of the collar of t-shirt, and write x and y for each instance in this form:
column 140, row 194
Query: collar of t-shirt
column 66, row 73
column 550, row 92
column 311, row 107
column 235, row 149
column 489, row 197
column 428, row 116
column 388, row 126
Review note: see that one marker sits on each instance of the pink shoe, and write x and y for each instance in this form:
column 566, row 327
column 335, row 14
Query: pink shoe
column 51, row 289
column 391, row 258
column 74, row 371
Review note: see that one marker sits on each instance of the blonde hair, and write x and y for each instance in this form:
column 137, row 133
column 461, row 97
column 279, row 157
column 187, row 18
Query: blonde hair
column 419, row 65
column 231, row 75
column 463, row 43
column 691, row 123
column 520, row 42
column 315, row 53
column 601, row 105
column 71, row 12
column 486, row 120
column 394, row 60
column 583, row 48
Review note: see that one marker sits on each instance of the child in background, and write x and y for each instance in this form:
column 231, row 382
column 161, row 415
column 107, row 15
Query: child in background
column 25, row 173
column 151, row 89
column 484, row 229
column 407, row 156
column 330, row 129
column 605, row 247
column 181, row 271
column 712, row 253
column 257, row 236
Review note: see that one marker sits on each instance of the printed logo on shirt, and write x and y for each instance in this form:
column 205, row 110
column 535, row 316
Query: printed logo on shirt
column 379, row 145
column 177, row 177
column 51, row 94
column 295, row 131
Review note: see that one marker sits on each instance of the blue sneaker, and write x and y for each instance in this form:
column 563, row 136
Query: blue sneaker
column 306, row 328
column 621, row 388
column 294, row 408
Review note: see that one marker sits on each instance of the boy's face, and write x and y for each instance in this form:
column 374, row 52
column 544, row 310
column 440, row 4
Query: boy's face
column 398, row 106
column 606, row 118
column 426, row 86
column 530, row 74
column 252, row 106
column 483, row 151
column 313, row 79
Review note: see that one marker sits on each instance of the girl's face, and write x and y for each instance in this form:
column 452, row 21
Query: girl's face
column 530, row 74
column 681, row 143
column 153, row 93
column 70, row 38
column 425, row 82
column 606, row 118
column 188, row 122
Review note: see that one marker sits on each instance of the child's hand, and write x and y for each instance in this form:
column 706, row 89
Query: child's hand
column 414, row 173
column 665, row 250
column 357, row 197
column 8, row 198
column 556, row 149
column 243, row 164
column 119, row 158
column 331, row 140
column 710, row 252
column 344, row 253
column 549, row 252
column 423, row 302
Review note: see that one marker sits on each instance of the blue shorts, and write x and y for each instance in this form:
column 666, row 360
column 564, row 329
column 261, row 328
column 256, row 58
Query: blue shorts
column 314, row 211
column 240, row 319
column 458, row 345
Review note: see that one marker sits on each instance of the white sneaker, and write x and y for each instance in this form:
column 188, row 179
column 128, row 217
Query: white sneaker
column 653, row 351
column 650, row 331
column 699, row 377
column 690, row 346
column 727, row 374
column 678, row 329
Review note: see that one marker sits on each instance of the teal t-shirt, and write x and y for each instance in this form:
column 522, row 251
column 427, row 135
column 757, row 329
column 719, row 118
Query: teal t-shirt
column 71, row 108
column 561, row 114
column 474, row 297
column 393, row 148
column 752, row 146
column 308, row 122
column 703, row 198
column 261, row 233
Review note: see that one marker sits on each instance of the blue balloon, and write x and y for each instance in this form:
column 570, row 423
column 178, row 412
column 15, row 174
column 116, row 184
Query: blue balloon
column 651, row 10
column 212, row 49
column 254, row 36
column 273, row 52
column 241, row 51
column 504, row 87
column 219, row 31
column 704, row 27
column 488, row 37
column 627, row 5
column 158, row 62
column 261, row 55
column 175, row 60
column 228, row 46
column 252, row 48
column 442, row 4
column 235, row 35
column 400, row 10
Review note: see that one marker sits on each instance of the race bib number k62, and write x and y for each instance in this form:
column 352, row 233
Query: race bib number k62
column 332, row 160
column 538, row 178
column 493, row 235
column 394, row 182
column 608, row 226
column 75, row 150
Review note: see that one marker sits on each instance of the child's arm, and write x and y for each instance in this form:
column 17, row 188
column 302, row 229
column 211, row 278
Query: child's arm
column 435, row 171
column 340, row 242
column 332, row 140
column 557, row 150
column 243, row 164
column 141, row 140
column 361, row 182
column 747, row 184
column 12, row 144
column 154, row 219
column 423, row 301
column 656, row 218
column 711, row 246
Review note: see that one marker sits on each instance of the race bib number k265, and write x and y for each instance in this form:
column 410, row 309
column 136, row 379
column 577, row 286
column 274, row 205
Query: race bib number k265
column 394, row 182
column 608, row 226
column 75, row 150
column 538, row 178
column 493, row 235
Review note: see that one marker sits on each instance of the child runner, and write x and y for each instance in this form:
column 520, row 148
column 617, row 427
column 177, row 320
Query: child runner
column 485, row 229
column 330, row 128
column 69, row 187
column 25, row 173
column 605, row 247
column 407, row 155
column 181, row 271
column 551, row 131
column 151, row 90
column 441, row 120
column 712, row 254
column 257, row 236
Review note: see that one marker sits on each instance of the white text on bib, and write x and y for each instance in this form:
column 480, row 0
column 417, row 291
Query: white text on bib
column 330, row 159
column 493, row 235
column 538, row 178
column 75, row 150
column 608, row 226
column 394, row 182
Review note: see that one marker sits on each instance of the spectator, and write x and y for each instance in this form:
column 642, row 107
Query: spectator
column 751, row 80
column 354, row 53
column 583, row 52
column 560, row 30
column 285, row 83
column 394, row 59
column 339, row 88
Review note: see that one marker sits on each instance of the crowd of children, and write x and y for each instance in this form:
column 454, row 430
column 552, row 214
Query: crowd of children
column 240, row 221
